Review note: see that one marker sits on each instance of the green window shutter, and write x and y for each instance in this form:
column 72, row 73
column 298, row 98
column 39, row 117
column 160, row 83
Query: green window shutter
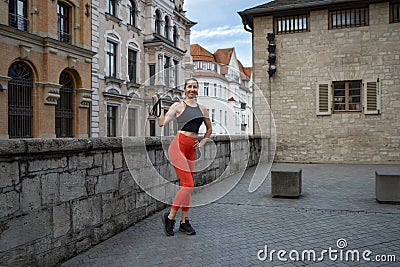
column 372, row 103
column 324, row 99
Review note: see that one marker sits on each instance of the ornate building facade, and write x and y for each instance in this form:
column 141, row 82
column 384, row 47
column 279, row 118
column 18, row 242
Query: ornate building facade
column 45, row 77
column 142, row 48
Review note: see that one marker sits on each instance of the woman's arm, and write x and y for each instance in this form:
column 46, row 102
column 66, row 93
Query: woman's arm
column 208, row 124
column 165, row 119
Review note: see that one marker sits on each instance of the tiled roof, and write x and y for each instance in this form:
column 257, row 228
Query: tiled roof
column 247, row 71
column 199, row 53
column 293, row 6
column 224, row 55
column 243, row 74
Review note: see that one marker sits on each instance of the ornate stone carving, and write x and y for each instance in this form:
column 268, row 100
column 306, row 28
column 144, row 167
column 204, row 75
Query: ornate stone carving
column 84, row 97
column 51, row 93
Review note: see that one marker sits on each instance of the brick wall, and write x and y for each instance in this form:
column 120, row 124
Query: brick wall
column 321, row 55
column 59, row 197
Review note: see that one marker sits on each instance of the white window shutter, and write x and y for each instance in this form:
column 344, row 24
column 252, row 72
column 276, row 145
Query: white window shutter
column 324, row 99
column 371, row 92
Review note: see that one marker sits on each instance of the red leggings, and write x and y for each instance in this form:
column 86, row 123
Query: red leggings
column 183, row 155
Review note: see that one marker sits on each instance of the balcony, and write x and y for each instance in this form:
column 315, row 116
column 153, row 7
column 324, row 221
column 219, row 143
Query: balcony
column 64, row 37
column 18, row 22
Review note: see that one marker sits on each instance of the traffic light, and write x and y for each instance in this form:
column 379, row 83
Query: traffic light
column 271, row 54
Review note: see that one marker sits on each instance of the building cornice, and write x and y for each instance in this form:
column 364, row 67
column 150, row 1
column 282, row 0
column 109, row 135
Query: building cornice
column 48, row 44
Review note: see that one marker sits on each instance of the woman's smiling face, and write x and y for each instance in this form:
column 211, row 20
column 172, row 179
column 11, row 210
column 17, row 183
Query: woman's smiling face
column 191, row 89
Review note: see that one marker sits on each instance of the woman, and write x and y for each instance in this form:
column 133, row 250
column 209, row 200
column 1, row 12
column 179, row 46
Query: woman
column 182, row 152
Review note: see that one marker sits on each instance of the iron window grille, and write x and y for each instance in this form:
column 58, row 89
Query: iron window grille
column 20, row 110
column 18, row 14
column 291, row 24
column 355, row 17
column 64, row 111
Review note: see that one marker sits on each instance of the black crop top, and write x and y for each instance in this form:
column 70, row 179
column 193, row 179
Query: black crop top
column 190, row 119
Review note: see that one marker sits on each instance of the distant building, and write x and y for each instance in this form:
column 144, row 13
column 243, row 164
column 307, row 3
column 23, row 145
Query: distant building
column 335, row 94
column 45, row 79
column 225, row 88
column 142, row 48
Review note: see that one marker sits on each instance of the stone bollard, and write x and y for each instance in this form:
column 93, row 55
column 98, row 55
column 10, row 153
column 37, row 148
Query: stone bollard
column 286, row 183
column 387, row 186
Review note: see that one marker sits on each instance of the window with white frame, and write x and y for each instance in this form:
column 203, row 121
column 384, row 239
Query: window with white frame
column 111, row 59
column 132, row 121
column 112, row 113
column 215, row 89
column 205, row 88
column 112, row 7
column 132, row 13
column 132, row 65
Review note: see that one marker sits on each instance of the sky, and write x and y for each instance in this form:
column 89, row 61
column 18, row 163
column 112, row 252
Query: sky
column 220, row 26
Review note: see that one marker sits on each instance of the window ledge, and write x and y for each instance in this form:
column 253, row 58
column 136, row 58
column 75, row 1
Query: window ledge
column 133, row 28
column 109, row 79
column 113, row 18
column 133, row 85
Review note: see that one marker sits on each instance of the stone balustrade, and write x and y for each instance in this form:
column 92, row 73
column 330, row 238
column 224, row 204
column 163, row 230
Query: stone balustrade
column 59, row 197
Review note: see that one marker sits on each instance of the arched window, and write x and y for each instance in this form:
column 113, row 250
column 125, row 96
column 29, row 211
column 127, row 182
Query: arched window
column 158, row 22
column 20, row 109
column 166, row 27
column 64, row 20
column 176, row 36
column 64, row 112
column 132, row 13
column 18, row 14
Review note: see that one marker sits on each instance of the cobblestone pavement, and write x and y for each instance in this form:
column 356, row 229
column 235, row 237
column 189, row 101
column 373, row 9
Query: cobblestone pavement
column 337, row 202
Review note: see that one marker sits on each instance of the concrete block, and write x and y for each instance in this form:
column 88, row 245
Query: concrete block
column 387, row 186
column 286, row 183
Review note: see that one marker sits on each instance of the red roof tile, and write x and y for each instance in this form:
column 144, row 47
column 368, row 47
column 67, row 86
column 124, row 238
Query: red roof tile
column 199, row 53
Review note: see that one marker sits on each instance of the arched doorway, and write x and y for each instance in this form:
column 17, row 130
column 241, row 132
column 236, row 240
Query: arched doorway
column 20, row 100
column 64, row 112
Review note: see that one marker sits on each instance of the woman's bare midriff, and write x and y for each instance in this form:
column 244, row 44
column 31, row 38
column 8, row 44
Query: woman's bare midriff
column 190, row 134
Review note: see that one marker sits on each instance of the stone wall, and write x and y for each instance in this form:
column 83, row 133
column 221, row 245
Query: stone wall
column 59, row 197
column 321, row 55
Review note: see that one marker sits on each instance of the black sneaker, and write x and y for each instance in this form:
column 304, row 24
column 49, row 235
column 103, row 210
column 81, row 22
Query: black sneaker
column 168, row 224
column 187, row 228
